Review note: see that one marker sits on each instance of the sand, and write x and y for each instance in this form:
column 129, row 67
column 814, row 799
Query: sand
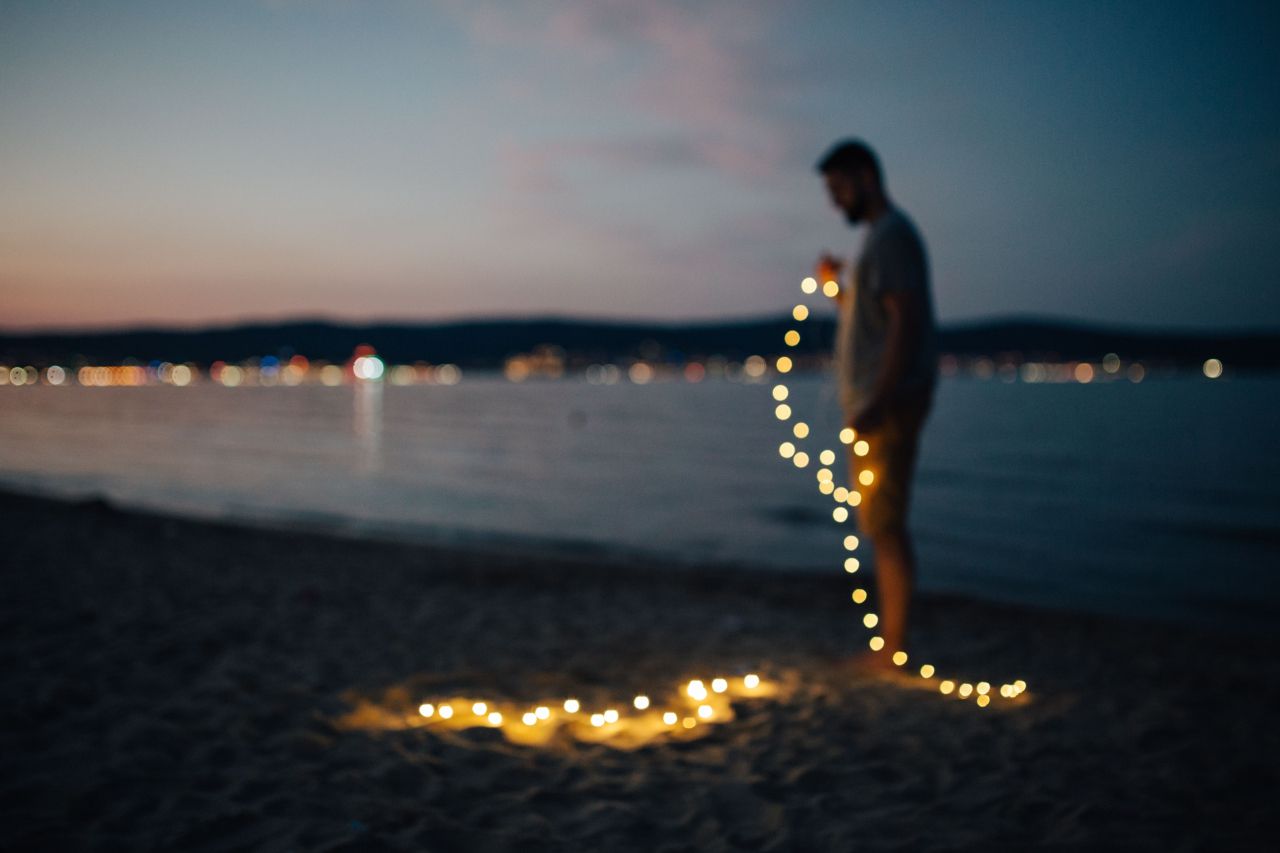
column 180, row 685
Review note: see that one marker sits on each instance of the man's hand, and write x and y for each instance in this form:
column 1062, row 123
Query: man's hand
column 868, row 417
column 827, row 268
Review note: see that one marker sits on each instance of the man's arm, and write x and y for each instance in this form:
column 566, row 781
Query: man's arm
column 904, row 311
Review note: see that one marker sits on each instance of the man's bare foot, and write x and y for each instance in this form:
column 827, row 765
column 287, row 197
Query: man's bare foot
column 879, row 665
column 869, row 663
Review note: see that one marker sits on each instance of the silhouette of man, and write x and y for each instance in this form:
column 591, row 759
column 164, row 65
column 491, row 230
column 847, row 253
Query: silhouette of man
column 886, row 367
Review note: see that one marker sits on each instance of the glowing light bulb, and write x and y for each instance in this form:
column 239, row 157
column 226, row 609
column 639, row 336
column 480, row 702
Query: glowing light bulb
column 696, row 690
column 946, row 687
column 426, row 709
column 597, row 720
column 792, row 337
column 705, row 712
column 783, row 364
column 1020, row 685
column 851, row 564
column 983, row 688
column 861, row 448
column 859, row 596
column 446, row 712
column 801, row 430
column 495, row 719
column 966, row 690
column 641, row 702
column 926, row 671
column 846, row 435
column 899, row 658
column 823, row 474
column 851, row 543
column 751, row 681
column 670, row 718
column 984, row 701
column 542, row 712
column 783, row 411
column 876, row 643
column 866, row 477
column 780, row 392
column 801, row 459
column 689, row 722
column 800, row 312
column 786, row 450
column 854, row 499
column 479, row 708
column 870, row 620
column 809, row 285
column 719, row 685
column 841, row 494
column 840, row 514
column 826, row 487
column 529, row 718
column 827, row 457
column 830, row 289
column 572, row 706
column 610, row 716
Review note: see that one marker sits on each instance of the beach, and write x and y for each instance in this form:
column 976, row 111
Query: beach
column 174, row 684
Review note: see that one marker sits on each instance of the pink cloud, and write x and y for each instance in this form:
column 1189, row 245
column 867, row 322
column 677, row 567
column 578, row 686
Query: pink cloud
column 694, row 69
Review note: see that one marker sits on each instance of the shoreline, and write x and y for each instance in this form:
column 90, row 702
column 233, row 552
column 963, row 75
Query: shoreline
column 175, row 684
column 534, row 554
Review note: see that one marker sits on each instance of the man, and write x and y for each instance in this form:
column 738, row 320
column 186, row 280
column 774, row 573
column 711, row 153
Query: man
column 887, row 368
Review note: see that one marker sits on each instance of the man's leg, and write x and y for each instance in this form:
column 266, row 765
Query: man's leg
column 883, row 516
column 895, row 580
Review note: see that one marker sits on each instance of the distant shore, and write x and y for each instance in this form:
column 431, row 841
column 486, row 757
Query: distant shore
column 177, row 684
column 576, row 343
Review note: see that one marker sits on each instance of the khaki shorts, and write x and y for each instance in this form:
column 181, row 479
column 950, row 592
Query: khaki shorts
column 891, row 457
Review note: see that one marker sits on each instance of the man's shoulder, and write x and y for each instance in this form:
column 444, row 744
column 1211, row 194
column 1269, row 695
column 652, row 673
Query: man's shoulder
column 896, row 227
column 895, row 235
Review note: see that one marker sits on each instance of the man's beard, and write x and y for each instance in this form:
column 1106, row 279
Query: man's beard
column 853, row 215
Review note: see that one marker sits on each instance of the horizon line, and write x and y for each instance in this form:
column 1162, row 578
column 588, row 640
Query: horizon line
column 177, row 327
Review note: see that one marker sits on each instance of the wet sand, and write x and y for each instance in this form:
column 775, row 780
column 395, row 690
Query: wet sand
column 181, row 685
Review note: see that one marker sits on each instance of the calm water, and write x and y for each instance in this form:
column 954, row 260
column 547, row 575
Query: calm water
column 1161, row 498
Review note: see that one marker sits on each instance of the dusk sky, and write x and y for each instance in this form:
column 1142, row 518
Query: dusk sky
column 207, row 162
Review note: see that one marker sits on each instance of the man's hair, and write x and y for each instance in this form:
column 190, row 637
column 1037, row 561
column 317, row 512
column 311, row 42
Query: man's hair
column 848, row 156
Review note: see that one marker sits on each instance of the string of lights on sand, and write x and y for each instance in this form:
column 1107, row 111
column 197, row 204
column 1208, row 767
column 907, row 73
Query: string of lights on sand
column 678, row 713
column 850, row 496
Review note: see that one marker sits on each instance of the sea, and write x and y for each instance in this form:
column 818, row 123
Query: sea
column 1159, row 499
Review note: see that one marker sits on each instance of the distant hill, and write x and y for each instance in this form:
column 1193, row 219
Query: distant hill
column 488, row 343
column 1047, row 340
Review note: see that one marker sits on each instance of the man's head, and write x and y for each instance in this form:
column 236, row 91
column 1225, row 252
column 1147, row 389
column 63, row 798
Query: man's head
column 852, row 173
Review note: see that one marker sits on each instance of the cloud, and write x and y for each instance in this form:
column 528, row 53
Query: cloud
column 643, row 138
column 699, row 73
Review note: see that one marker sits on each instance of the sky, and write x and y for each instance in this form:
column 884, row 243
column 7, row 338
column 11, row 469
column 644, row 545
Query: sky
column 193, row 163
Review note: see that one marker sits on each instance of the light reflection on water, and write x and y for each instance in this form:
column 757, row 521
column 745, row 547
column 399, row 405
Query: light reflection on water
column 368, row 426
column 1159, row 498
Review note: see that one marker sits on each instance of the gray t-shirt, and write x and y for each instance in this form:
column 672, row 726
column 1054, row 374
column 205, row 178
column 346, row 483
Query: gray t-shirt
column 892, row 259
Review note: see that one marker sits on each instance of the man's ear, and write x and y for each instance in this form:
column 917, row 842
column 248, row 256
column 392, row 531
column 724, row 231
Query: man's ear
column 866, row 182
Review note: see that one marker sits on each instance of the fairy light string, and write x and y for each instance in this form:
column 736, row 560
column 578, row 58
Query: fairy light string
column 706, row 701
column 850, row 496
column 692, row 704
